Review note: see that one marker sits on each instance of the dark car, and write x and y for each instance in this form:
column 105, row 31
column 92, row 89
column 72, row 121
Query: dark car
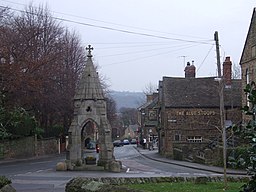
column 117, row 143
column 126, row 142
column 133, row 141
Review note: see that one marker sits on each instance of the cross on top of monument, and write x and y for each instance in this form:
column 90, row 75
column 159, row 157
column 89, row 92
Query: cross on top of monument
column 89, row 48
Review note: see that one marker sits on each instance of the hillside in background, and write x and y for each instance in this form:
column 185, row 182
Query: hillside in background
column 128, row 99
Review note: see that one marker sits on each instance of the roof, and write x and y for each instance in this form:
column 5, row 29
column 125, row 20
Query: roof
column 250, row 40
column 134, row 127
column 89, row 87
column 198, row 92
column 150, row 104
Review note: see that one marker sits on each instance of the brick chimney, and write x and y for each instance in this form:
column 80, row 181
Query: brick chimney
column 151, row 97
column 227, row 71
column 190, row 70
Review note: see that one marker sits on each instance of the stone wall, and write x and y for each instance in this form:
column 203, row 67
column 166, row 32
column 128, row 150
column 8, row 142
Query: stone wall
column 27, row 147
column 83, row 184
column 47, row 146
column 193, row 133
column 19, row 148
column 197, row 152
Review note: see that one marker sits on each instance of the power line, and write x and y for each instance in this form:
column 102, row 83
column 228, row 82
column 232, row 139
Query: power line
column 130, row 32
column 119, row 30
column 145, row 57
column 107, row 22
column 149, row 50
column 167, row 45
column 205, row 58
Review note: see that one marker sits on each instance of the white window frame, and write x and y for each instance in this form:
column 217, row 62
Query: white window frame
column 195, row 139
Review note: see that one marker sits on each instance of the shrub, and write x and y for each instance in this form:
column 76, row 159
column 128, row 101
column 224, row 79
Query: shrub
column 4, row 181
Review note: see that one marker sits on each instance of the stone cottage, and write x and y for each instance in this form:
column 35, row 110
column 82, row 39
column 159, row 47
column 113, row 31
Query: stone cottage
column 189, row 115
column 248, row 58
column 148, row 119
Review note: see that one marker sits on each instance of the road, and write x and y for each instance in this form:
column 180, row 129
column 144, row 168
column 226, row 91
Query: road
column 134, row 162
column 39, row 175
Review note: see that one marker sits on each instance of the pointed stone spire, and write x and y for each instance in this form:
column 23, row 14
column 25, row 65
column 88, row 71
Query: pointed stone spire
column 90, row 106
column 89, row 87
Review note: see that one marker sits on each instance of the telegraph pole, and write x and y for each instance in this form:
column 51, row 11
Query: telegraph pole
column 216, row 39
column 222, row 112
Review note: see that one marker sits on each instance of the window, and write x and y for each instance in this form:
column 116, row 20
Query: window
column 177, row 137
column 247, row 82
column 195, row 139
column 152, row 115
column 247, row 76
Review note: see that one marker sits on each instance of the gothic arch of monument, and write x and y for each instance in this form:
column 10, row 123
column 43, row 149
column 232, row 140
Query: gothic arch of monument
column 89, row 132
column 90, row 106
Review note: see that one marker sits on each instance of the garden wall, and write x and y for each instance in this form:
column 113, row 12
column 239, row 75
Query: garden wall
column 105, row 184
column 28, row 147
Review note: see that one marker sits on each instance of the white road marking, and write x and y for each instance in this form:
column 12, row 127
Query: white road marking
column 200, row 174
column 40, row 162
column 183, row 173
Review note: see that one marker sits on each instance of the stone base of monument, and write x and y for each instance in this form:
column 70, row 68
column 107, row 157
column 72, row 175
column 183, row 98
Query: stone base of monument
column 61, row 166
column 78, row 166
column 85, row 167
column 113, row 166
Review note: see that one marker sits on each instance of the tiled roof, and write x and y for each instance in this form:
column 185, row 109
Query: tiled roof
column 250, row 40
column 150, row 104
column 198, row 92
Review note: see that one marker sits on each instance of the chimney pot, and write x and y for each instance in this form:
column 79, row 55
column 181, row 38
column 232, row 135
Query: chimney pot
column 190, row 70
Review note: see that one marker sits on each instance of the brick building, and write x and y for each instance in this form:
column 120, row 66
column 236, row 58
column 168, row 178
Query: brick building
column 189, row 114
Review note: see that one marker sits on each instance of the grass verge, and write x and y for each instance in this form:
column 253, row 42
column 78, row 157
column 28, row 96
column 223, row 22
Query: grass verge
column 187, row 187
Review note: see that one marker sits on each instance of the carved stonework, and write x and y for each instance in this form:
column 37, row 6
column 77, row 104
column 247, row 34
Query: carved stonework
column 90, row 119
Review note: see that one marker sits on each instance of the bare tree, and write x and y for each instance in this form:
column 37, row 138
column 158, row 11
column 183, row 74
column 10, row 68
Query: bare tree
column 236, row 74
column 150, row 89
column 40, row 65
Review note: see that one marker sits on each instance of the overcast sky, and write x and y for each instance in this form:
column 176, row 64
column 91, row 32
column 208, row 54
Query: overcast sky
column 137, row 42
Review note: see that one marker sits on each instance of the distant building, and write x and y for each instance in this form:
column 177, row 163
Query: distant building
column 131, row 132
column 189, row 114
column 148, row 119
column 248, row 58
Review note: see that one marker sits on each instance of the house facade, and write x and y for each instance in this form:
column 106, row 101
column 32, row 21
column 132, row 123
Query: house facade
column 131, row 132
column 248, row 58
column 148, row 120
column 189, row 115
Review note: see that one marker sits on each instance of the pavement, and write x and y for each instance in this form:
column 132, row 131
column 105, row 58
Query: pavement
column 154, row 155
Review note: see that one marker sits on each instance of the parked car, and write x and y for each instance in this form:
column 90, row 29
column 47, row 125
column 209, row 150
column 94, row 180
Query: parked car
column 133, row 141
column 126, row 142
column 91, row 149
column 91, row 146
column 117, row 143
